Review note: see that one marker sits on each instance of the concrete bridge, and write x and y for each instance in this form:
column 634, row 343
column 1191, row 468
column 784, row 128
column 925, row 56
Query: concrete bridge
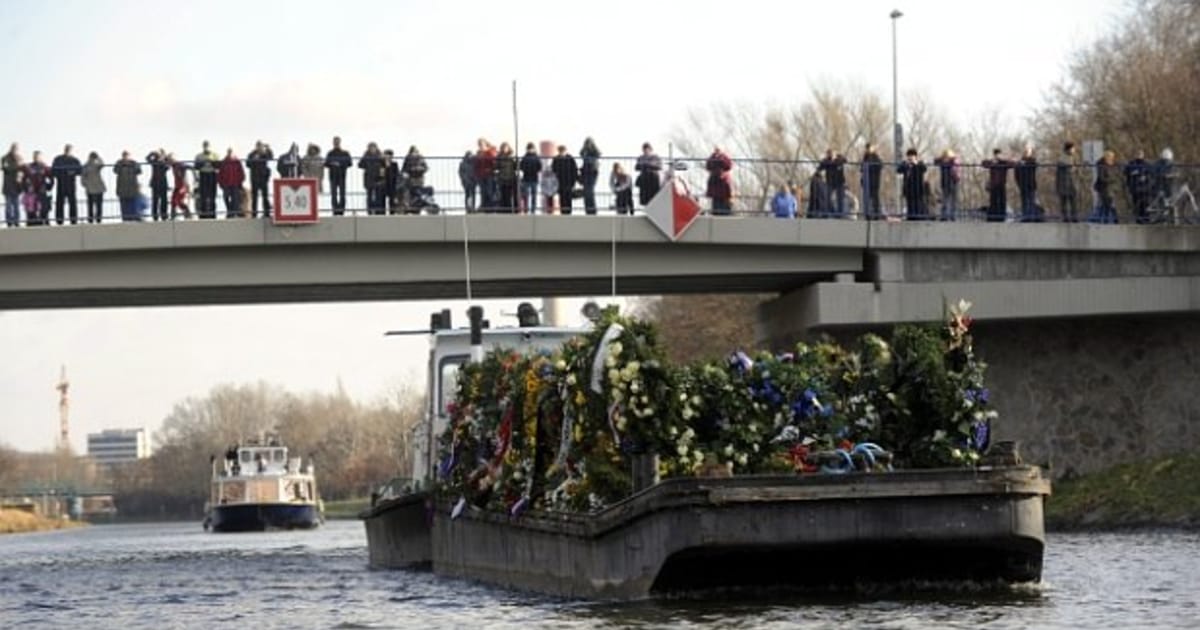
column 1091, row 330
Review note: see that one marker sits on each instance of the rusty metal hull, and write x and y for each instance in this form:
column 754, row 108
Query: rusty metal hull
column 823, row 531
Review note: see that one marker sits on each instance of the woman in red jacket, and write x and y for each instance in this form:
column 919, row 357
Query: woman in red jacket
column 180, row 191
column 720, row 182
column 231, row 176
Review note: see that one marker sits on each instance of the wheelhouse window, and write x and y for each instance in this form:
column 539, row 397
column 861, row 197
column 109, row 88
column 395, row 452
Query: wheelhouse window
column 448, row 385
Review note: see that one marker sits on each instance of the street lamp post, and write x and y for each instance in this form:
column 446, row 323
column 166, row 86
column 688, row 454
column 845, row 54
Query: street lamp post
column 897, row 134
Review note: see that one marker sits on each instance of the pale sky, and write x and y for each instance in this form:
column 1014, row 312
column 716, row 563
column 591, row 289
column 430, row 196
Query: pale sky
column 112, row 75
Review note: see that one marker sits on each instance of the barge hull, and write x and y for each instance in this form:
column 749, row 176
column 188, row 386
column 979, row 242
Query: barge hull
column 822, row 531
column 399, row 533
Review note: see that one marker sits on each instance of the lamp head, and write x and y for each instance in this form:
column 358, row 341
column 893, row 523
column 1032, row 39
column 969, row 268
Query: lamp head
column 896, row 14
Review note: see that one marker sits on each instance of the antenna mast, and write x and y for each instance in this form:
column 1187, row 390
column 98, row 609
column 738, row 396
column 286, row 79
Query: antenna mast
column 64, row 411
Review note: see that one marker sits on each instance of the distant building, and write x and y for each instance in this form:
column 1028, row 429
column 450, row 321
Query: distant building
column 118, row 446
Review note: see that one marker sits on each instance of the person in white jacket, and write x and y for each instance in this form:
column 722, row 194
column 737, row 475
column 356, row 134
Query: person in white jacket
column 549, row 186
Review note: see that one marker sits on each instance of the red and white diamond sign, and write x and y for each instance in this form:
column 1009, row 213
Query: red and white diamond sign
column 295, row 201
column 672, row 210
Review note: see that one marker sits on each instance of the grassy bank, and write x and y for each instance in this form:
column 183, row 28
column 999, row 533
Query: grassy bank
column 17, row 521
column 347, row 508
column 1156, row 493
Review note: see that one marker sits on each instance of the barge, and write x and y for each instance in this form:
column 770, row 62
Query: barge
column 981, row 523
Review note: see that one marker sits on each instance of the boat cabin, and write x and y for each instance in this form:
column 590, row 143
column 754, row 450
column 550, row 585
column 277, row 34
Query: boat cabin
column 449, row 351
column 255, row 473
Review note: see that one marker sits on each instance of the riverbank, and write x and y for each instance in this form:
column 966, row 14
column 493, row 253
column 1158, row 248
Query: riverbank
column 346, row 508
column 1158, row 493
column 20, row 521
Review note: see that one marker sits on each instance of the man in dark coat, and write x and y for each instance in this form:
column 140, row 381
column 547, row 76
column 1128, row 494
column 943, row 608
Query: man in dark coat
column 1064, row 184
column 374, row 179
column 997, row 169
column 818, row 197
column 158, row 184
column 338, row 161
column 871, row 176
column 1025, row 173
column 835, row 176
column 567, row 172
column 649, row 180
column 1138, row 182
column 913, row 169
column 258, row 163
column 531, row 171
column 65, row 168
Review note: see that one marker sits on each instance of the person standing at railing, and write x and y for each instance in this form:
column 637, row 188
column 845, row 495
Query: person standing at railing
column 12, row 165
column 997, row 181
column 818, row 196
column 288, row 164
column 338, row 161
column 466, row 177
column 1107, row 175
column 720, row 182
column 1166, row 179
column 180, row 190
column 485, row 174
column 531, row 170
column 37, row 180
column 622, row 189
column 128, row 189
column 833, row 165
column 549, row 185
column 66, row 168
column 414, row 170
column 206, row 174
column 391, row 182
column 506, row 178
column 947, row 165
column 94, row 187
column 312, row 166
column 783, row 204
column 1064, row 184
column 1026, row 175
column 913, row 186
column 870, row 176
column 374, row 181
column 1137, row 182
column 589, row 173
column 649, row 169
column 231, row 176
column 566, row 171
column 158, row 184
column 258, row 163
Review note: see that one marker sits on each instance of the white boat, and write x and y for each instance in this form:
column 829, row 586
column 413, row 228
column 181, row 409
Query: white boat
column 258, row 487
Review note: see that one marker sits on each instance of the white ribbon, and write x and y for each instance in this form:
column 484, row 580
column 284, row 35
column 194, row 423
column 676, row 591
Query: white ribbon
column 614, row 331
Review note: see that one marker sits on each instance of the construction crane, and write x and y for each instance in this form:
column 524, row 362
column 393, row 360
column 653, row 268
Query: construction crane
column 64, row 411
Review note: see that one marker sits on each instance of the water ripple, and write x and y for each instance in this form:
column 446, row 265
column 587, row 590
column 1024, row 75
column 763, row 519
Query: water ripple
column 161, row 576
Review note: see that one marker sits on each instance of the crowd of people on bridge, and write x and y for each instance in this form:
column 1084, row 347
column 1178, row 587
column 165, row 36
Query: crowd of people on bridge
column 1146, row 184
column 497, row 180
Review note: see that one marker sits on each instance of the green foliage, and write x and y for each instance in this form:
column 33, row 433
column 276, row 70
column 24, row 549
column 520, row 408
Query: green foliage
column 1155, row 493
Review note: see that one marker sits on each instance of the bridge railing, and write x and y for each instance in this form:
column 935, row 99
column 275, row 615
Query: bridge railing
column 755, row 182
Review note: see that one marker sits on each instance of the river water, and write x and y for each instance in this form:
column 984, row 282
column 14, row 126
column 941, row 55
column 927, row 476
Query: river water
column 174, row 575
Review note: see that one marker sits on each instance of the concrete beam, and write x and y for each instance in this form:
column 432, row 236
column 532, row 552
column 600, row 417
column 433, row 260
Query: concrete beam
column 827, row 305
